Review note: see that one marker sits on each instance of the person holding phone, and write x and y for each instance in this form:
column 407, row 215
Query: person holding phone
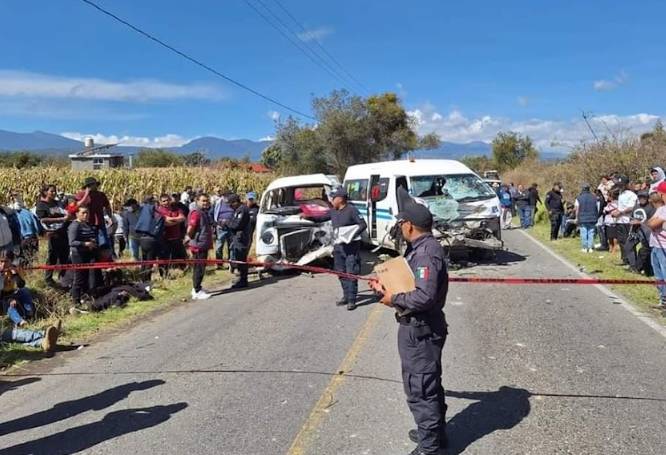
column 83, row 249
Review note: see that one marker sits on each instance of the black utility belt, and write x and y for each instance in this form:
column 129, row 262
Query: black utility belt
column 409, row 320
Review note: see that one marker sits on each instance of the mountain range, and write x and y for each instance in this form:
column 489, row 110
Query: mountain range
column 213, row 147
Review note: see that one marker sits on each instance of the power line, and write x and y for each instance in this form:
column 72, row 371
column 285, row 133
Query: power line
column 196, row 61
column 585, row 117
column 309, row 53
column 319, row 45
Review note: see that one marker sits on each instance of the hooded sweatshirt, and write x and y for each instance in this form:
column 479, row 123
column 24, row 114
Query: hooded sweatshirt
column 660, row 178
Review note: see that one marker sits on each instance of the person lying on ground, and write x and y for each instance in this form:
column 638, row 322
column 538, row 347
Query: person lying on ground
column 45, row 339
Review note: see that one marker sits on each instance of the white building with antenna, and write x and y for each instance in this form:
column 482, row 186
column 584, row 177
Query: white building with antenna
column 95, row 157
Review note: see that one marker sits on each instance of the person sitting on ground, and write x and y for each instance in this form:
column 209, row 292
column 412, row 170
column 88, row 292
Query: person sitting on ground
column 83, row 250
column 17, row 302
column 569, row 221
column 658, row 243
column 45, row 339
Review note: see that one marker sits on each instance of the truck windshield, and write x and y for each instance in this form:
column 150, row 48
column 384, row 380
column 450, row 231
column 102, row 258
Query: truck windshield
column 461, row 187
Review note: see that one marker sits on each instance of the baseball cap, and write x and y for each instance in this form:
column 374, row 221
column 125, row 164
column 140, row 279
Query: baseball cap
column 90, row 181
column 417, row 214
column 339, row 192
column 643, row 194
column 661, row 188
column 622, row 179
column 251, row 195
column 233, row 198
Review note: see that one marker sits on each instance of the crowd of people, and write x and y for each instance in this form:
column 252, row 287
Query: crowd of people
column 84, row 228
column 625, row 218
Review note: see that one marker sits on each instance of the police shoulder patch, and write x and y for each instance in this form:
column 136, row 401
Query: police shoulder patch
column 422, row 273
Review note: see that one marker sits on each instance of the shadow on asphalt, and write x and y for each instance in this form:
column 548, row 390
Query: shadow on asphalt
column 67, row 409
column 500, row 410
column 113, row 425
column 6, row 386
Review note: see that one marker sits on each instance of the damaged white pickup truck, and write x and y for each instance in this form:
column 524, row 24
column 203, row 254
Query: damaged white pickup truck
column 294, row 221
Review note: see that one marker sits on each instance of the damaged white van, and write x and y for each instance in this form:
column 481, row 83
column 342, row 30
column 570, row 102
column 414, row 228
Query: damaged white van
column 465, row 208
column 294, row 221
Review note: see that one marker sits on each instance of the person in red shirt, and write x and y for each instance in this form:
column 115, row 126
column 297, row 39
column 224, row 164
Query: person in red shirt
column 199, row 239
column 98, row 205
column 174, row 219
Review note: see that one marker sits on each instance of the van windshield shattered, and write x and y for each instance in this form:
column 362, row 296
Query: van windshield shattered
column 461, row 187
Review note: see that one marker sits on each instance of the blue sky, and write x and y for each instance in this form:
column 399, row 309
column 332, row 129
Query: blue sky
column 463, row 69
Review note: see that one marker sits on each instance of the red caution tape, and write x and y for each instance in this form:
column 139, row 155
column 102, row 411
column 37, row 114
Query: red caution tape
column 344, row 275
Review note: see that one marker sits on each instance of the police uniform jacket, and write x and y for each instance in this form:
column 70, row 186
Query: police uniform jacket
column 240, row 227
column 420, row 312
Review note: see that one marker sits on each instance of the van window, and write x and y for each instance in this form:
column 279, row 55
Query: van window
column 383, row 188
column 461, row 187
column 357, row 190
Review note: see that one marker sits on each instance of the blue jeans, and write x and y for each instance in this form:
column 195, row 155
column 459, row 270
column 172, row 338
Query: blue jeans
column 658, row 258
column 24, row 308
column 223, row 238
column 587, row 231
column 525, row 216
column 29, row 337
column 135, row 248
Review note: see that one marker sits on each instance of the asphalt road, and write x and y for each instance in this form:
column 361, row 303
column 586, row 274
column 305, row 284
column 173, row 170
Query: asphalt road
column 528, row 370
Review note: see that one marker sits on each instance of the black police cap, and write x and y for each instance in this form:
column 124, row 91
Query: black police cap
column 233, row 198
column 417, row 214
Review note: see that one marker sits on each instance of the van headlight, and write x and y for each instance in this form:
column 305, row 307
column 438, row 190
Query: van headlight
column 267, row 237
column 495, row 210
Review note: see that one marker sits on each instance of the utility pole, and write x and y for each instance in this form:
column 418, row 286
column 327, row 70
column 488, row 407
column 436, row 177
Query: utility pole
column 585, row 117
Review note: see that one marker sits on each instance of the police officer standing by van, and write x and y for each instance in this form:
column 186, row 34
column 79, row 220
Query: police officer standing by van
column 422, row 329
column 240, row 228
column 347, row 226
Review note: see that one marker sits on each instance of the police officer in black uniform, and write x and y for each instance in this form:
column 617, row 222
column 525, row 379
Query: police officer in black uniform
column 422, row 329
column 346, row 255
column 240, row 228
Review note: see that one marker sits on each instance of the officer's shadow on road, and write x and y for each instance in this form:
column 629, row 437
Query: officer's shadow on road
column 79, row 438
column 500, row 410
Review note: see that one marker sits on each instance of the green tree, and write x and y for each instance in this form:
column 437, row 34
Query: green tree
column 157, row 158
column 272, row 156
column 510, row 149
column 479, row 163
column 349, row 130
column 195, row 159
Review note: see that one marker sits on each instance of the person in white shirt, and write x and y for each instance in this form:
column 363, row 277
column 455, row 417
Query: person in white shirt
column 626, row 203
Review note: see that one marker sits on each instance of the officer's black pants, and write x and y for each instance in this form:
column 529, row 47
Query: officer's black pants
column 347, row 258
column 58, row 253
column 149, row 249
column 239, row 253
column 422, row 380
column 555, row 222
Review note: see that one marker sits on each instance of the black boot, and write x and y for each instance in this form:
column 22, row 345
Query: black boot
column 341, row 302
column 351, row 306
column 414, row 437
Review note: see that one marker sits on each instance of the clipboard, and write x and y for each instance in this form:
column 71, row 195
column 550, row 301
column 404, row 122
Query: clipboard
column 396, row 275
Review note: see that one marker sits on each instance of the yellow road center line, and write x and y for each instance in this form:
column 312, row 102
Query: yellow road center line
column 304, row 437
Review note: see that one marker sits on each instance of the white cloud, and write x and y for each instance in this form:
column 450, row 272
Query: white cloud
column 34, row 85
column 315, row 34
column 523, row 101
column 547, row 134
column 606, row 85
column 168, row 140
column 267, row 138
column 273, row 115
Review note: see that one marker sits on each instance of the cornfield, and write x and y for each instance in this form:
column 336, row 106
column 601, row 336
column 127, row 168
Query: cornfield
column 121, row 184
